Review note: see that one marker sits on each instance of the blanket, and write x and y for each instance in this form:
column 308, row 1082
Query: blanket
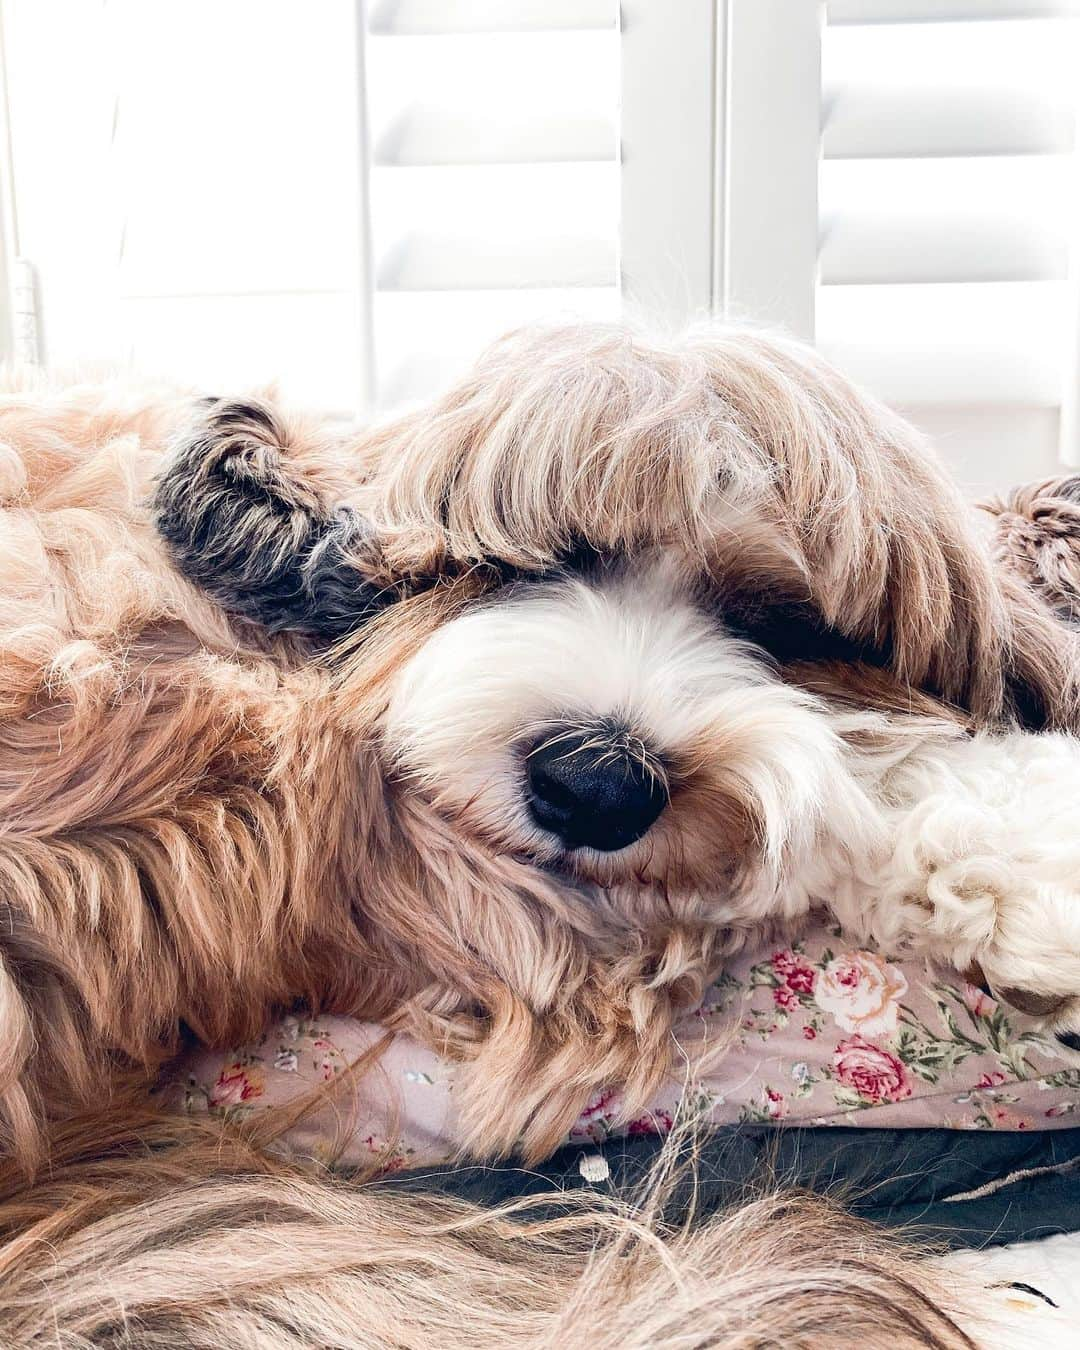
column 812, row 1033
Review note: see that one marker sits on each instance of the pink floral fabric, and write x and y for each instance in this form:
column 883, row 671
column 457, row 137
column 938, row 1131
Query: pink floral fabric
column 811, row 1033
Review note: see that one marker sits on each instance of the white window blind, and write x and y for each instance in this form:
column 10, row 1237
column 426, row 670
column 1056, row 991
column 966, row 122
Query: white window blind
column 185, row 187
column 897, row 180
column 494, row 182
column 353, row 197
column 949, row 236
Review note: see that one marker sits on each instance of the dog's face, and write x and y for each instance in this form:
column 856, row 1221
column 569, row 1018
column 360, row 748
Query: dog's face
column 614, row 723
column 606, row 725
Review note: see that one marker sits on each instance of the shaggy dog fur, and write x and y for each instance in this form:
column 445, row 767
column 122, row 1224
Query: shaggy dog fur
column 202, row 823
column 162, row 1234
column 274, row 737
column 1037, row 535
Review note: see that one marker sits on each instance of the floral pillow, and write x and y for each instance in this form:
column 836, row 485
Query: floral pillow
column 814, row 1033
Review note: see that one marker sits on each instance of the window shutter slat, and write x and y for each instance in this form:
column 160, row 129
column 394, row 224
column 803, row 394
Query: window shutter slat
column 869, row 120
column 415, row 357
column 495, row 181
column 945, row 11
column 962, row 345
column 412, row 17
column 432, row 134
column 948, row 209
column 434, row 262
column 946, row 89
column 945, row 220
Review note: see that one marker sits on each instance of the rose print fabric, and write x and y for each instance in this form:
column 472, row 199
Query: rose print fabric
column 811, row 1033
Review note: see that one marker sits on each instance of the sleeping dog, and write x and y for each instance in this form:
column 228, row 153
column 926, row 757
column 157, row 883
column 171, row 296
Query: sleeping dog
column 505, row 723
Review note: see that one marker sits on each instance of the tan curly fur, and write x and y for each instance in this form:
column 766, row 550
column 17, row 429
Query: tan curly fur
column 1037, row 536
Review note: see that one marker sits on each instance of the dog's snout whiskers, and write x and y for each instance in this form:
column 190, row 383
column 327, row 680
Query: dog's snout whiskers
column 608, row 740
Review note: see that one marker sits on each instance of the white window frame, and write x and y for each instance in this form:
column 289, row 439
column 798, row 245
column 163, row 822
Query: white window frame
column 730, row 224
column 727, row 222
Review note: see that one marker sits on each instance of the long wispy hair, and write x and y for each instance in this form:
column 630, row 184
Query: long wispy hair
column 199, row 817
column 159, row 1234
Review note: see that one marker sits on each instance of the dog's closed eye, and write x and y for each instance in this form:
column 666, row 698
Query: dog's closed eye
column 792, row 631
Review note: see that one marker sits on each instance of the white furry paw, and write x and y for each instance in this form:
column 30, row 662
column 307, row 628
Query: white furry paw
column 1032, row 962
column 984, row 869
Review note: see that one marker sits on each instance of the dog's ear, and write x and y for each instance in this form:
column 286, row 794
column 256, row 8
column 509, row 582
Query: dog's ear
column 242, row 524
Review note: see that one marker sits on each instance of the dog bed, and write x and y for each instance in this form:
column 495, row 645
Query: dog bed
column 814, row 1033
column 950, row 1186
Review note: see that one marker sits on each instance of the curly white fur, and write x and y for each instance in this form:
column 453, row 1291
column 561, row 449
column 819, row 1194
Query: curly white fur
column 983, row 865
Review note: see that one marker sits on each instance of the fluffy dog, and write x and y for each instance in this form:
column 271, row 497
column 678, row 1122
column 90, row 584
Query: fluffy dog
column 496, row 723
column 503, row 723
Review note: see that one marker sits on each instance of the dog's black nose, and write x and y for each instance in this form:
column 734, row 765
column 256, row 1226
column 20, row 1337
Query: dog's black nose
column 594, row 789
column 1069, row 1039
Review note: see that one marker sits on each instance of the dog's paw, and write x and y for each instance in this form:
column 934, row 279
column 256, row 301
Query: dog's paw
column 258, row 538
column 1032, row 961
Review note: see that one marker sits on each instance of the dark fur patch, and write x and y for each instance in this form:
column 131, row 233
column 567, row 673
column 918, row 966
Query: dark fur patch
column 791, row 631
column 1029, row 705
column 258, row 540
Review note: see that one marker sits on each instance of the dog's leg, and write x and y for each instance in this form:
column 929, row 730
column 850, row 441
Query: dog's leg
column 983, row 870
column 157, row 866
